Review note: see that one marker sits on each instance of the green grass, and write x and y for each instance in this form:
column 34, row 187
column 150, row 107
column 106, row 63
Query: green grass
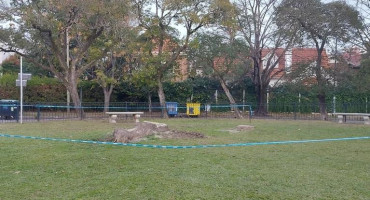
column 35, row 169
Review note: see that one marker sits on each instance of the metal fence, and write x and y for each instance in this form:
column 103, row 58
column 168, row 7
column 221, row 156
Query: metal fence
column 60, row 111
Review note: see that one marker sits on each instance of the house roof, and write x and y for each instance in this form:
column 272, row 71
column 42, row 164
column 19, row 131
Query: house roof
column 299, row 56
column 308, row 55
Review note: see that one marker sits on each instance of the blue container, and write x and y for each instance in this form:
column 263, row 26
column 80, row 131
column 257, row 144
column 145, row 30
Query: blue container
column 172, row 108
column 9, row 109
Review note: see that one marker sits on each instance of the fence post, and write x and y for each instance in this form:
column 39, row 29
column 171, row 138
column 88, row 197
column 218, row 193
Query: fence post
column 345, row 110
column 295, row 111
column 206, row 109
column 38, row 112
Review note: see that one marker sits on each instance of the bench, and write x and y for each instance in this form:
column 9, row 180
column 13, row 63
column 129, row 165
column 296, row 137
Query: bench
column 113, row 115
column 342, row 117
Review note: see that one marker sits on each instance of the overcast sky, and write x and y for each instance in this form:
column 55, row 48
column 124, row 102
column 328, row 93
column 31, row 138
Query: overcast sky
column 181, row 29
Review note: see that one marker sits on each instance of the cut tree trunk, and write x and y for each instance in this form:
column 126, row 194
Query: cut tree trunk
column 141, row 130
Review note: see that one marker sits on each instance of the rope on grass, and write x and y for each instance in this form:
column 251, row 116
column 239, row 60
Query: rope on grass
column 184, row 147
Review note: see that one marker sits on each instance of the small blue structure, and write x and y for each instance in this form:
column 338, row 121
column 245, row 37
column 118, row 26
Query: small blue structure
column 9, row 109
column 172, row 108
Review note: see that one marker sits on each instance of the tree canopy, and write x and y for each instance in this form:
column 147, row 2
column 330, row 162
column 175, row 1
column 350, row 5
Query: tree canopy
column 57, row 35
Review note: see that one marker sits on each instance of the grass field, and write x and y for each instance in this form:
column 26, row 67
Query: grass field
column 36, row 169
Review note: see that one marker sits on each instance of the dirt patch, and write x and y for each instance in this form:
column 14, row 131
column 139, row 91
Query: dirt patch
column 244, row 127
column 241, row 128
column 180, row 134
column 146, row 128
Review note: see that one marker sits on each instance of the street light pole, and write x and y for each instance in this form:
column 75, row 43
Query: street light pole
column 21, row 86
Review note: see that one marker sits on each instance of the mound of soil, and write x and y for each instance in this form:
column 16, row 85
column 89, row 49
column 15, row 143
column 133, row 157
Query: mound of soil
column 146, row 128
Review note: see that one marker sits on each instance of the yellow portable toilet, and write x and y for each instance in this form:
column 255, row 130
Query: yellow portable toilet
column 193, row 109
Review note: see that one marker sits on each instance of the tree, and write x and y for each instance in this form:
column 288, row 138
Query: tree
column 362, row 77
column 144, row 79
column 161, row 44
column 113, row 54
column 261, row 28
column 362, row 38
column 11, row 65
column 108, row 72
column 320, row 23
column 222, row 55
column 57, row 35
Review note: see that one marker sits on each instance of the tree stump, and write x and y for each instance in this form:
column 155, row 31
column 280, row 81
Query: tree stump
column 141, row 130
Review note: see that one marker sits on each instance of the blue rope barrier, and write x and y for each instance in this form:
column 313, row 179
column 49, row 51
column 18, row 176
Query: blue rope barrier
column 186, row 147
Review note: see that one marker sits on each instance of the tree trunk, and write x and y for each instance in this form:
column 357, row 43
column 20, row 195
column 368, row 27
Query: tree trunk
column 322, row 106
column 321, row 82
column 150, row 102
column 75, row 98
column 231, row 99
column 107, row 94
column 106, row 100
column 258, row 86
column 261, row 100
column 162, row 98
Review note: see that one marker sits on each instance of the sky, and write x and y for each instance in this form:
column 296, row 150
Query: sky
column 181, row 29
column 3, row 56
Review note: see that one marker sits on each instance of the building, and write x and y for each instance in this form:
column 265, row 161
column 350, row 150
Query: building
column 291, row 60
column 288, row 61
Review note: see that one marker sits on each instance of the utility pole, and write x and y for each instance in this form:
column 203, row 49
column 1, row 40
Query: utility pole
column 22, row 81
column 335, row 81
column 21, row 86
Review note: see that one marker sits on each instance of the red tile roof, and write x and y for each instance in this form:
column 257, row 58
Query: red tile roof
column 307, row 56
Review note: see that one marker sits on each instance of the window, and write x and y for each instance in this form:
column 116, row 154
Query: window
column 273, row 60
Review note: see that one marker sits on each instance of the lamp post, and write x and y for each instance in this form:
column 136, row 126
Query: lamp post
column 21, row 88
column 335, row 67
column 22, row 81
